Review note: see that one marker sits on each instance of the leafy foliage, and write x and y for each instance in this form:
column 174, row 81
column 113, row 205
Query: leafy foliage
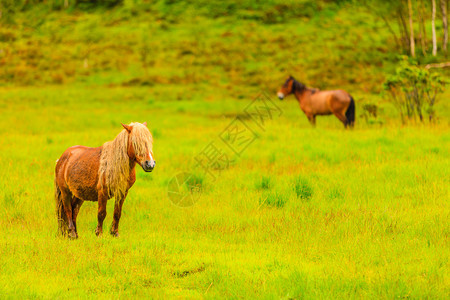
column 413, row 90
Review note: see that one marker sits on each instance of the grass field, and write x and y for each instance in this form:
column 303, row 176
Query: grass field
column 302, row 213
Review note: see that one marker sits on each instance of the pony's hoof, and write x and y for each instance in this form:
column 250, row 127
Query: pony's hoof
column 115, row 234
column 98, row 232
column 73, row 235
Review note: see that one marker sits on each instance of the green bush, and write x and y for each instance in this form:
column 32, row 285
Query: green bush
column 413, row 90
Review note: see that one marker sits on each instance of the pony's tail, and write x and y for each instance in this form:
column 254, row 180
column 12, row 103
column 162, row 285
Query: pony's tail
column 350, row 113
column 60, row 213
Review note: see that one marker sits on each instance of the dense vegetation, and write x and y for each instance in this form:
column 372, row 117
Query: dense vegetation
column 215, row 43
column 303, row 212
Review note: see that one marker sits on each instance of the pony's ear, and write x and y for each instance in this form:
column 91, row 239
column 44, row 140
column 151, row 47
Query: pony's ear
column 127, row 127
column 145, row 124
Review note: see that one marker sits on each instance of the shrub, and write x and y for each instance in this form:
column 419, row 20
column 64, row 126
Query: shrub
column 413, row 90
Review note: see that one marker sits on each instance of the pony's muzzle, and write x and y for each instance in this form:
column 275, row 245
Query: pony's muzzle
column 148, row 165
column 280, row 95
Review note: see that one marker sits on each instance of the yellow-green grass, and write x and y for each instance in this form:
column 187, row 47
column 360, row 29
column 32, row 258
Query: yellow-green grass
column 303, row 213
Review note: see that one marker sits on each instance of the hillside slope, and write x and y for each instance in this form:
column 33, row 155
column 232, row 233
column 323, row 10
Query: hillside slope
column 324, row 45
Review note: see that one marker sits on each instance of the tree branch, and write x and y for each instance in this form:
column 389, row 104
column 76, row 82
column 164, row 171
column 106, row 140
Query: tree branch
column 441, row 65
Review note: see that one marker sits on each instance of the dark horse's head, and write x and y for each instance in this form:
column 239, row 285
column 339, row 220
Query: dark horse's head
column 289, row 87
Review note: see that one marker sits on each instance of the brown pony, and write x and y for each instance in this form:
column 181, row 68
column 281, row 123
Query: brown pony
column 98, row 174
column 314, row 102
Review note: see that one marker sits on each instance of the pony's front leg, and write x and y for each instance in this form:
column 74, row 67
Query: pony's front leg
column 117, row 213
column 101, row 214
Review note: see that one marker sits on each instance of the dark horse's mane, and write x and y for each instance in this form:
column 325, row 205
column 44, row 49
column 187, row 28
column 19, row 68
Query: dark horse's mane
column 296, row 85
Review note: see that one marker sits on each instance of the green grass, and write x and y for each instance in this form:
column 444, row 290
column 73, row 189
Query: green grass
column 303, row 213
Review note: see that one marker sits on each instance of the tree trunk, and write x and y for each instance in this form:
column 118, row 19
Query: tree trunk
column 411, row 30
column 445, row 23
column 422, row 28
column 66, row 3
column 403, row 29
column 433, row 27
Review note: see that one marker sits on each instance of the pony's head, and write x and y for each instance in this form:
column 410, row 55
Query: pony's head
column 140, row 145
column 289, row 87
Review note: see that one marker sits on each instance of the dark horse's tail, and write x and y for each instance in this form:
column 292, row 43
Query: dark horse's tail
column 60, row 214
column 350, row 113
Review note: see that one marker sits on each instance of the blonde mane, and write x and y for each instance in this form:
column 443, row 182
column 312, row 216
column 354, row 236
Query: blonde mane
column 114, row 170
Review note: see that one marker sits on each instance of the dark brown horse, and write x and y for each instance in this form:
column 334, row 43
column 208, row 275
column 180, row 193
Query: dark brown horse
column 314, row 102
column 98, row 174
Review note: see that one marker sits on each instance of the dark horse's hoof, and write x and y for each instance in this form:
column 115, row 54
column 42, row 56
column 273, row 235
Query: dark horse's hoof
column 115, row 234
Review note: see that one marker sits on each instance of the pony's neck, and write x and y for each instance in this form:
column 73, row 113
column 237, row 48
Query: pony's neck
column 116, row 166
column 132, row 164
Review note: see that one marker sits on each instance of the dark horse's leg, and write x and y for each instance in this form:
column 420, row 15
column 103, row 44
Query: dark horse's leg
column 312, row 119
column 67, row 205
column 102, row 200
column 75, row 210
column 342, row 118
column 117, row 214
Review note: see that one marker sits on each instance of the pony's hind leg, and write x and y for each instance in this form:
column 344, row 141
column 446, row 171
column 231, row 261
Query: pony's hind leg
column 67, row 205
column 76, row 205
